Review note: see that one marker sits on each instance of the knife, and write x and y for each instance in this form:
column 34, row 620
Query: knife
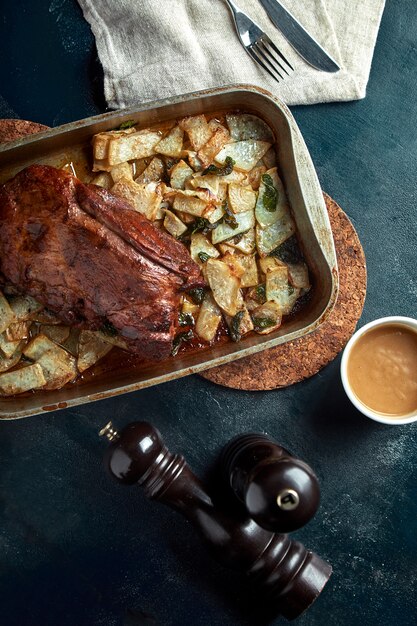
column 298, row 37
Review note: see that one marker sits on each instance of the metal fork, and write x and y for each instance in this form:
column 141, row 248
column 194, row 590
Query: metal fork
column 257, row 43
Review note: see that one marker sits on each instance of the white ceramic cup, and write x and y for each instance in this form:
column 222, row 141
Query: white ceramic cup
column 408, row 322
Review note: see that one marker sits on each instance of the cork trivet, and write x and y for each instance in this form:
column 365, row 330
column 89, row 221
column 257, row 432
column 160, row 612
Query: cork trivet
column 10, row 130
column 292, row 362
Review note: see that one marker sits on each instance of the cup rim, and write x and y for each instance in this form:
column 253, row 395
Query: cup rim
column 410, row 322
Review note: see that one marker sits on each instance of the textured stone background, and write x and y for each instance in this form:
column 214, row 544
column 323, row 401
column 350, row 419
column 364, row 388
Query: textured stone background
column 78, row 549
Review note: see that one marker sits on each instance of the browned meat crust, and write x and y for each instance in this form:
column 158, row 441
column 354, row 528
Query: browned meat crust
column 93, row 260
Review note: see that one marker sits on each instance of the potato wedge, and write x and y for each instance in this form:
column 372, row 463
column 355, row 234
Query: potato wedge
column 270, row 237
column 23, row 379
column 233, row 261
column 171, row 144
column 298, row 275
column 245, row 242
column 266, row 318
column 179, row 174
column 240, row 324
column 213, row 213
column 224, row 231
column 38, row 346
column 245, row 154
column 225, row 286
column 24, row 307
column 197, row 129
column 241, row 198
column 153, row 172
column 253, row 178
column 189, row 204
column 7, row 315
column 56, row 333
column 193, row 160
column 6, row 363
column 136, row 145
column 103, row 180
column 201, row 248
column 91, row 348
column 213, row 146
column 58, row 367
column 208, row 319
column 144, row 198
column 18, row 331
column 189, row 307
column 8, row 347
column 46, row 317
column 123, row 171
column 210, row 182
column 173, row 224
column 244, row 126
column 272, row 204
column 250, row 276
column 278, row 290
column 270, row 263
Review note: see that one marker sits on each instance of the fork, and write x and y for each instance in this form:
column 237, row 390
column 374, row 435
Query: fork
column 257, row 44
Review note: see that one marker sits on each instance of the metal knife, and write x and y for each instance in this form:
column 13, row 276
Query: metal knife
column 298, row 37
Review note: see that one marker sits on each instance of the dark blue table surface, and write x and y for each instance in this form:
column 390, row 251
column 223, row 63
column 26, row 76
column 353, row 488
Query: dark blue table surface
column 77, row 548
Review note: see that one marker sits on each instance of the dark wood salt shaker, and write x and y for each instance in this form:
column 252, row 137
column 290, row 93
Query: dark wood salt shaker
column 280, row 492
column 285, row 576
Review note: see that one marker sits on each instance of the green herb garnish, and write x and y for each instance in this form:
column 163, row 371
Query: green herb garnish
column 226, row 169
column 109, row 329
column 185, row 319
column 235, row 334
column 270, row 195
column 229, row 217
column 288, row 252
column 260, row 323
column 127, row 124
column 187, row 335
column 260, row 293
column 204, row 257
column 197, row 294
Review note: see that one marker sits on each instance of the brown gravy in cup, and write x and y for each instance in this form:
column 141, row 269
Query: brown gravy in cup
column 382, row 370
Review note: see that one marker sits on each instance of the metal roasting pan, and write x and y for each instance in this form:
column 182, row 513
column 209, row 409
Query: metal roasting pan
column 308, row 208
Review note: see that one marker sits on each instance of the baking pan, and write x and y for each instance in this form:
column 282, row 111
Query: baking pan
column 55, row 146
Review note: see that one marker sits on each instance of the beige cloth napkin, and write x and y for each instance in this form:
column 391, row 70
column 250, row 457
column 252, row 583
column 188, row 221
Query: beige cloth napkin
column 152, row 49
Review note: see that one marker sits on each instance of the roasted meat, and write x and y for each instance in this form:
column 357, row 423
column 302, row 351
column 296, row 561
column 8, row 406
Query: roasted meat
column 93, row 260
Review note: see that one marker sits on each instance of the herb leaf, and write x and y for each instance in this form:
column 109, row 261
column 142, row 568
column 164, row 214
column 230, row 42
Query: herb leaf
column 187, row 335
column 127, row 124
column 235, row 334
column 229, row 217
column 260, row 292
column 260, row 323
column 204, row 257
column 226, row 169
column 270, row 195
column 109, row 329
column 197, row 294
column 289, row 251
column 185, row 319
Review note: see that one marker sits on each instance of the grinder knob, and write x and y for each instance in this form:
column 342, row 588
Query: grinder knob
column 280, row 492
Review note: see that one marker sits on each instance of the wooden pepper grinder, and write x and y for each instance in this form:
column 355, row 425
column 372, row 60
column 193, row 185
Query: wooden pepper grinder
column 280, row 492
column 286, row 577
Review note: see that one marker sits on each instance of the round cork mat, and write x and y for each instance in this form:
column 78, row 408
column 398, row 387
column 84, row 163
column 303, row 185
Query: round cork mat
column 296, row 360
column 10, row 130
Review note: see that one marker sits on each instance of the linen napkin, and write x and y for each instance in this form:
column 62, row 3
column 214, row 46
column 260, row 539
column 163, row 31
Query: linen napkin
column 153, row 49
